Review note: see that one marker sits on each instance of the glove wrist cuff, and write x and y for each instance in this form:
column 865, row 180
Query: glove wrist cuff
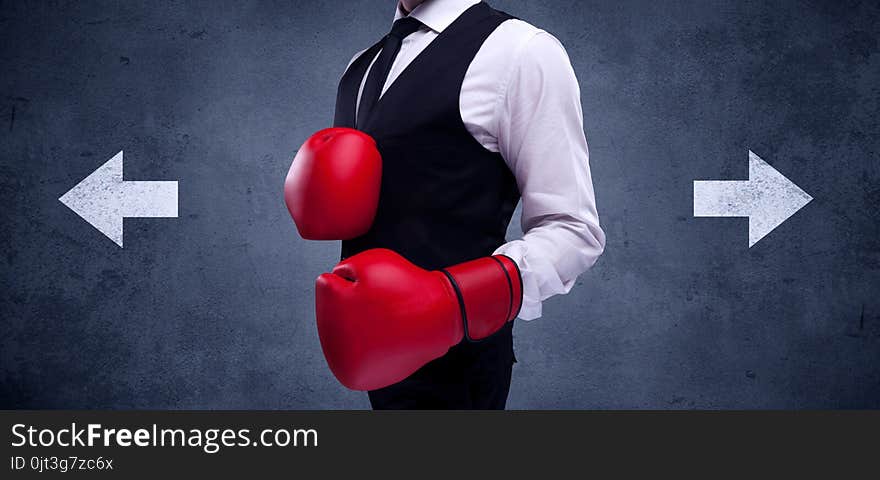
column 489, row 292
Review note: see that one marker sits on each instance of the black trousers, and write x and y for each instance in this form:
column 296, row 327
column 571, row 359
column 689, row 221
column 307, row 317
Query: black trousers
column 472, row 376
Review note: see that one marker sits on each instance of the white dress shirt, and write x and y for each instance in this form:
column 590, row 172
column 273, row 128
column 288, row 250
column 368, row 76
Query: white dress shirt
column 520, row 97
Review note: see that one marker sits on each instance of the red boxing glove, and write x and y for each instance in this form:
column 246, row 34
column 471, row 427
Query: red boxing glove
column 332, row 187
column 381, row 318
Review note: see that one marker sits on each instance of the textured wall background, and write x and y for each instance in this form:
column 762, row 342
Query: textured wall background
column 214, row 309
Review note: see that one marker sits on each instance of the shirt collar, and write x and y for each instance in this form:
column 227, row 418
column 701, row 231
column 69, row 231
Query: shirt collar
column 437, row 14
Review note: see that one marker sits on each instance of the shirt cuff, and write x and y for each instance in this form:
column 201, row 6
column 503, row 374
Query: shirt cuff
column 539, row 278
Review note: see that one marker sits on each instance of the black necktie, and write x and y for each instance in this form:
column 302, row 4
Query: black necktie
column 382, row 65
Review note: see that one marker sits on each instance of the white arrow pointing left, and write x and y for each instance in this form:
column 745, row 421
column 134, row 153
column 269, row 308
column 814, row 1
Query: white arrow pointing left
column 103, row 199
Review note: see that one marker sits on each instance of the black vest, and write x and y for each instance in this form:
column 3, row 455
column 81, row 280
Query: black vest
column 445, row 199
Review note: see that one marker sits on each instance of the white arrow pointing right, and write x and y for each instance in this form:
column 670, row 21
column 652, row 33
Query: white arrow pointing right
column 767, row 198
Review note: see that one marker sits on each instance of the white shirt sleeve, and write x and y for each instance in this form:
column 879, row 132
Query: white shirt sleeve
column 541, row 137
